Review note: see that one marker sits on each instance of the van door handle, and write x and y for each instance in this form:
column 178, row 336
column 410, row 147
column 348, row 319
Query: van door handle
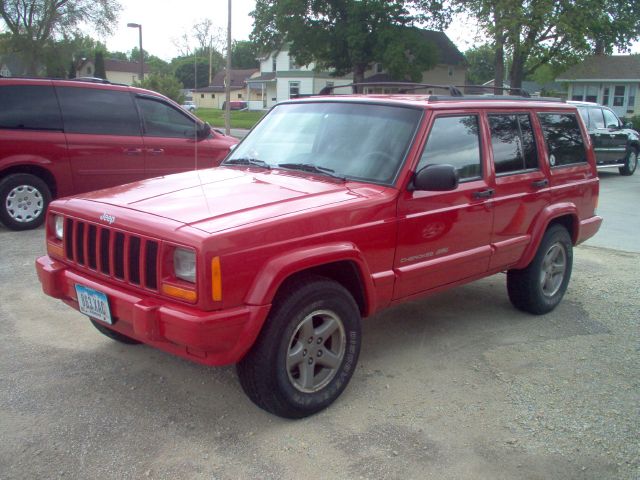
column 484, row 193
column 540, row 183
column 155, row 151
column 132, row 151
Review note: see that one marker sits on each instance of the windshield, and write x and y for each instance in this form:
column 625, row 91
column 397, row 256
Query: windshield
column 355, row 141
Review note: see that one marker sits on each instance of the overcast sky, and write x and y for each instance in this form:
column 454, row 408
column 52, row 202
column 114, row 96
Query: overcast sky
column 165, row 21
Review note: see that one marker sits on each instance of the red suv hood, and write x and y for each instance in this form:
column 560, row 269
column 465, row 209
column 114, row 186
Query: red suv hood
column 221, row 198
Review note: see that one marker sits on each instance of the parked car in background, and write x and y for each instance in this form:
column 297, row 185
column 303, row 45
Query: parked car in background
column 235, row 105
column 189, row 106
column 615, row 143
column 62, row 137
column 331, row 209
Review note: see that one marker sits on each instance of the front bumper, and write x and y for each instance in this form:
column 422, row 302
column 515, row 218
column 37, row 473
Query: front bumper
column 211, row 338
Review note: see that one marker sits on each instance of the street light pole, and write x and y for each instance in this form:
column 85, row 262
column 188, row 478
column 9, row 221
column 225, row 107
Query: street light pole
column 139, row 27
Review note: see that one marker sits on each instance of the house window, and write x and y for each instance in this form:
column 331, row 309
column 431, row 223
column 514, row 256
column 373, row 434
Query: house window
column 632, row 97
column 239, row 95
column 379, row 68
column 451, row 71
column 577, row 93
column 592, row 94
column 213, row 95
column 618, row 96
column 89, row 71
column 273, row 63
column 5, row 72
column 605, row 96
column 202, row 95
column 294, row 89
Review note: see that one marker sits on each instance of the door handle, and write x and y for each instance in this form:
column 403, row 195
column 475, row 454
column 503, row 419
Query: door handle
column 155, row 151
column 132, row 151
column 540, row 183
column 484, row 193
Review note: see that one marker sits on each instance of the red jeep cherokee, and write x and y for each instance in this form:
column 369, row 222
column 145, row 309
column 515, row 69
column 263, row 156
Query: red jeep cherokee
column 330, row 210
column 62, row 137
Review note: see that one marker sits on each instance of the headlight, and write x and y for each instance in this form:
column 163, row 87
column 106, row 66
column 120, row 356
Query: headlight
column 58, row 226
column 184, row 264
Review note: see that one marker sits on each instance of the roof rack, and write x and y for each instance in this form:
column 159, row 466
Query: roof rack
column 453, row 90
column 443, row 98
column 521, row 91
column 91, row 79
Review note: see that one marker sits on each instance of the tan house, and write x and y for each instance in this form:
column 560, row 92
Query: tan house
column 117, row 71
column 214, row 95
column 610, row 80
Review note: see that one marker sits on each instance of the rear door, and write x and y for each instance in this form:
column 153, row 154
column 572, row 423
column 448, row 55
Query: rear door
column 617, row 141
column 170, row 139
column 444, row 237
column 102, row 128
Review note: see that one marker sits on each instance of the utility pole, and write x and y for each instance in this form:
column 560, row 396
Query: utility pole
column 139, row 27
column 227, row 80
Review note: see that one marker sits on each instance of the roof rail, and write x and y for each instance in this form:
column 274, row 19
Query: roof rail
column 90, row 79
column 518, row 90
column 481, row 97
column 453, row 90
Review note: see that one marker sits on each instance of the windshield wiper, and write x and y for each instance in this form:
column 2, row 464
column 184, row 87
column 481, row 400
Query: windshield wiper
column 248, row 161
column 307, row 167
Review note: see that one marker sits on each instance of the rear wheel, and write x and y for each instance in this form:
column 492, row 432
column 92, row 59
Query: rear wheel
column 23, row 201
column 307, row 350
column 630, row 163
column 113, row 335
column 539, row 287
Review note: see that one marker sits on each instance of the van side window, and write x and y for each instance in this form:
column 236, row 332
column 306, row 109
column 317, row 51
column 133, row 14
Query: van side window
column 454, row 141
column 98, row 111
column 29, row 107
column 513, row 143
column 564, row 138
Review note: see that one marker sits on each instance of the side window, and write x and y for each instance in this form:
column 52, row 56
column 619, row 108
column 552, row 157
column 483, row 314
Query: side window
column 454, row 141
column 584, row 113
column 513, row 143
column 564, row 139
column 597, row 121
column 162, row 120
column 29, row 107
column 610, row 118
column 98, row 111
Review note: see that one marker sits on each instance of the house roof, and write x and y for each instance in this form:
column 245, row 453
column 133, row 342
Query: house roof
column 448, row 52
column 111, row 65
column 238, row 80
column 264, row 77
column 604, row 67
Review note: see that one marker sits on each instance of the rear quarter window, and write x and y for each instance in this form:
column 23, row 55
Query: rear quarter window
column 29, row 107
column 562, row 134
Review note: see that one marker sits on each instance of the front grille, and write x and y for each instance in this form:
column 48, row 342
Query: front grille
column 123, row 256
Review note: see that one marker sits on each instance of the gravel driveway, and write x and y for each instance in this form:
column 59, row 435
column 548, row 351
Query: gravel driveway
column 457, row 386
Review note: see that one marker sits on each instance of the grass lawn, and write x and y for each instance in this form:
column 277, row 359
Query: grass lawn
column 239, row 119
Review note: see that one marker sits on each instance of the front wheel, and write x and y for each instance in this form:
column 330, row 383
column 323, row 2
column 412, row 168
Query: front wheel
column 539, row 287
column 307, row 350
column 630, row 163
column 23, row 201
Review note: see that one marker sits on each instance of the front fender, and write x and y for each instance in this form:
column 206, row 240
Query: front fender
column 281, row 267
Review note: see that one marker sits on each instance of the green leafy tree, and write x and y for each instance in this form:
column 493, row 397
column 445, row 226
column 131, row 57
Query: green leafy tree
column 118, row 56
column 100, row 71
column 244, row 55
column 481, row 64
column 167, row 85
column 33, row 23
column 345, row 36
column 185, row 69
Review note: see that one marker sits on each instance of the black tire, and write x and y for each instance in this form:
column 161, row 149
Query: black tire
column 23, row 201
column 630, row 163
column 288, row 376
column 533, row 291
column 113, row 335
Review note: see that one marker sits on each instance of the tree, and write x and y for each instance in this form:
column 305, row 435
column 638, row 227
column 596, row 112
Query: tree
column 167, row 85
column 185, row 71
column 100, row 71
column 244, row 55
column 32, row 23
column 345, row 36
column 481, row 64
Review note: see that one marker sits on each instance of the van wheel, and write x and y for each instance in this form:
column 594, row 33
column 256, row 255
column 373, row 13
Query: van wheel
column 630, row 163
column 539, row 287
column 307, row 350
column 23, row 201
column 113, row 335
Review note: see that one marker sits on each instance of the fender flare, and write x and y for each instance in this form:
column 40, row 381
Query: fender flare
column 278, row 269
column 546, row 216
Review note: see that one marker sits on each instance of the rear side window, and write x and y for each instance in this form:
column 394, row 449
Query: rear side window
column 610, row 119
column 96, row 111
column 29, row 107
column 597, row 121
column 513, row 143
column 454, row 141
column 162, row 120
column 563, row 137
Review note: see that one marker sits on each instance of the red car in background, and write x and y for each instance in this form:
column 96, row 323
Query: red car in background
column 63, row 137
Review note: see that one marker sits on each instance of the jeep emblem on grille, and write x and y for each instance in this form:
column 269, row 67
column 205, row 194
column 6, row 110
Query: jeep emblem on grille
column 105, row 217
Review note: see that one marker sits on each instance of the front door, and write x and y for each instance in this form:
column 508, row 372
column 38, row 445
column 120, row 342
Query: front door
column 444, row 237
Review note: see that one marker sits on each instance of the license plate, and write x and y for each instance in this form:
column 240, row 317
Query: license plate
column 94, row 304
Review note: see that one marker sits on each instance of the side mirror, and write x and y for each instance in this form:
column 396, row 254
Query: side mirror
column 613, row 126
column 436, row 178
column 204, row 130
column 628, row 125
